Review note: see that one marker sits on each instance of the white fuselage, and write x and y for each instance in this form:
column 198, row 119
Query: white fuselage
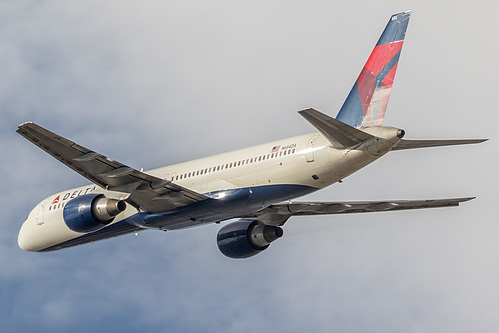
column 259, row 176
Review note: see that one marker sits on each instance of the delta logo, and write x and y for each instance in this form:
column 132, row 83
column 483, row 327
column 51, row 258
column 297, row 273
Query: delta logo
column 56, row 200
column 72, row 195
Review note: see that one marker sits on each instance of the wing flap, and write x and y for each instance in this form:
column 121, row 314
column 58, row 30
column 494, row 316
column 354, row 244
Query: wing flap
column 150, row 193
column 280, row 213
column 324, row 208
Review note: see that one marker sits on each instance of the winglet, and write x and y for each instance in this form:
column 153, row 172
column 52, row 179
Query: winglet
column 366, row 103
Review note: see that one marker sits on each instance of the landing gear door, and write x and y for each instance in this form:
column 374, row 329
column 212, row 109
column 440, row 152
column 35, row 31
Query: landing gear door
column 311, row 148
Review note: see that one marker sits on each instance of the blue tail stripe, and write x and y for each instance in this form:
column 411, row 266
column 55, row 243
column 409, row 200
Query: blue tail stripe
column 395, row 29
column 351, row 112
column 387, row 69
column 354, row 109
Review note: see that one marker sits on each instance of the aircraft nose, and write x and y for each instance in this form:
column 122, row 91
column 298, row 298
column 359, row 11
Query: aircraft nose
column 25, row 239
column 23, row 242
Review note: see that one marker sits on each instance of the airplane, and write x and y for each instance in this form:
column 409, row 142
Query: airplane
column 256, row 185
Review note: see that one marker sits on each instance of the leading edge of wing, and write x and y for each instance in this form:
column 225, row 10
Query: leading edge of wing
column 280, row 213
column 144, row 189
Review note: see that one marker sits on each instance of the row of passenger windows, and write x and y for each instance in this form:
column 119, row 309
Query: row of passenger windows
column 54, row 207
column 233, row 164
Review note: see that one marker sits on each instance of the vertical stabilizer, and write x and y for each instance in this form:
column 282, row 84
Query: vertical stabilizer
column 366, row 103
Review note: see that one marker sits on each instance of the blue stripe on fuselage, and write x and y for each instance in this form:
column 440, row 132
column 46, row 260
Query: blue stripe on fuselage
column 231, row 204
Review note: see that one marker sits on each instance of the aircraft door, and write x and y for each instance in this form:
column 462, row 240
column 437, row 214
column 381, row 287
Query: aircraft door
column 310, row 148
column 40, row 215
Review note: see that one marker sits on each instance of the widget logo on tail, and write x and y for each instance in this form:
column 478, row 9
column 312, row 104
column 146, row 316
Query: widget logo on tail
column 366, row 103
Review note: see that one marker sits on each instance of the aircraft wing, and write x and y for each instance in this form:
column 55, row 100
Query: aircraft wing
column 147, row 192
column 280, row 213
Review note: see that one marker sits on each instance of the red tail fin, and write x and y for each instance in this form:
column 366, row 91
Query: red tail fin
column 366, row 103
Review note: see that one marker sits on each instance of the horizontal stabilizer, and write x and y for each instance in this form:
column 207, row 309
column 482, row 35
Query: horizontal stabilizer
column 338, row 133
column 413, row 144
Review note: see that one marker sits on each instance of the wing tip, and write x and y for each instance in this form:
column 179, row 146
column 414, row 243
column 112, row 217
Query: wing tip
column 24, row 124
column 305, row 110
column 466, row 199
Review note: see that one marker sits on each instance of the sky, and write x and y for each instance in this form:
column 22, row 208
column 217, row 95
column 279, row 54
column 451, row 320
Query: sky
column 153, row 83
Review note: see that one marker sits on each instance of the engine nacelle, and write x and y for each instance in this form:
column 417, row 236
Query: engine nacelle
column 91, row 212
column 246, row 238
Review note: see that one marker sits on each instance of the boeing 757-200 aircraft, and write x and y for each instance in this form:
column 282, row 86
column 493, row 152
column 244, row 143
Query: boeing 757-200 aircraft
column 255, row 185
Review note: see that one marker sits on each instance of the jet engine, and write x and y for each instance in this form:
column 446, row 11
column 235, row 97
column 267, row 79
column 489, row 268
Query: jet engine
column 246, row 238
column 91, row 212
